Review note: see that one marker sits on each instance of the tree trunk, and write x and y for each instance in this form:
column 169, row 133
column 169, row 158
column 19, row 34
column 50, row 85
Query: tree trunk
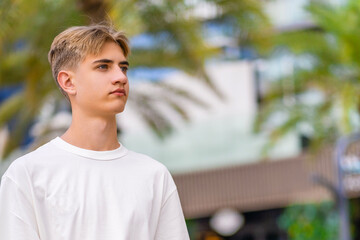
column 95, row 10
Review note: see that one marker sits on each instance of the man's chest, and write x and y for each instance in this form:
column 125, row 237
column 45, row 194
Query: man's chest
column 69, row 200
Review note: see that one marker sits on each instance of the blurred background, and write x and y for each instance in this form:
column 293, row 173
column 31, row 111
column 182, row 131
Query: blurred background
column 243, row 100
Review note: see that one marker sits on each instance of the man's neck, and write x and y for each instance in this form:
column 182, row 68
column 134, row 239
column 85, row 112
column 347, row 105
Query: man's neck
column 98, row 134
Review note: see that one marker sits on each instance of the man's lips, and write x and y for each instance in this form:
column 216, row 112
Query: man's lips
column 119, row 92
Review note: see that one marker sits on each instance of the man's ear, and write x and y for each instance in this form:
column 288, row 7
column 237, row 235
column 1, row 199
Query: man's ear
column 65, row 80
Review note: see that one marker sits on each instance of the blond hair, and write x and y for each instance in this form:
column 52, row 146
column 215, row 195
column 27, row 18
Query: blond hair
column 72, row 46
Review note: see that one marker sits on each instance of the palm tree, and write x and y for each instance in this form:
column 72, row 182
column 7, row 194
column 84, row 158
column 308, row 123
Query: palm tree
column 331, row 53
column 27, row 29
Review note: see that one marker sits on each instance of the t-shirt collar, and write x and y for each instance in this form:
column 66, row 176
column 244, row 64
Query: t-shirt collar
column 98, row 155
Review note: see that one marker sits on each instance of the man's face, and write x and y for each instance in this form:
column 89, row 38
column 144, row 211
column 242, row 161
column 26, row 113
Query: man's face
column 101, row 83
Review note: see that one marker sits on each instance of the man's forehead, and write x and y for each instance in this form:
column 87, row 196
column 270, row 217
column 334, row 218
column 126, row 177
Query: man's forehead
column 109, row 53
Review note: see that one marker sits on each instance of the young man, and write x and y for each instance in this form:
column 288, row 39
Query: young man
column 85, row 185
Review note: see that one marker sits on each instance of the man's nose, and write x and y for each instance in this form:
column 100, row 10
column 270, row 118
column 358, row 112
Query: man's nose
column 119, row 76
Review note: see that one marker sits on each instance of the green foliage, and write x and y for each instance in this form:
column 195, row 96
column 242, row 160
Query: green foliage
column 25, row 36
column 310, row 222
column 332, row 56
column 354, row 212
column 192, row 227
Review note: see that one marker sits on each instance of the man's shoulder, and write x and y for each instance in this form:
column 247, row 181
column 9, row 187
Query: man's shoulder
column 146, row 161
column 21, row 164
column 154, row 168
column 45, row 150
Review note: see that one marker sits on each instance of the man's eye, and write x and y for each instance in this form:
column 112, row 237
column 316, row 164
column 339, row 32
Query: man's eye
column 124, row 69
column 103, row 66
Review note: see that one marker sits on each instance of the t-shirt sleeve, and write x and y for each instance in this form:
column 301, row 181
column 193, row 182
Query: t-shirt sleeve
column 171, row 225
column 17, row 218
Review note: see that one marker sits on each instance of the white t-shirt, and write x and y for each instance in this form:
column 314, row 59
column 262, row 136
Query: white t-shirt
column 62, row 192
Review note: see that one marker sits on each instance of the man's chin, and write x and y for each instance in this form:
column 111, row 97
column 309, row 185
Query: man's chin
column 119, row 110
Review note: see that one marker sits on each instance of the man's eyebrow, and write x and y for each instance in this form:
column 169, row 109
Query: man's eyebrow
column 103, row 61
column 124, row 63
column 110, row 61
